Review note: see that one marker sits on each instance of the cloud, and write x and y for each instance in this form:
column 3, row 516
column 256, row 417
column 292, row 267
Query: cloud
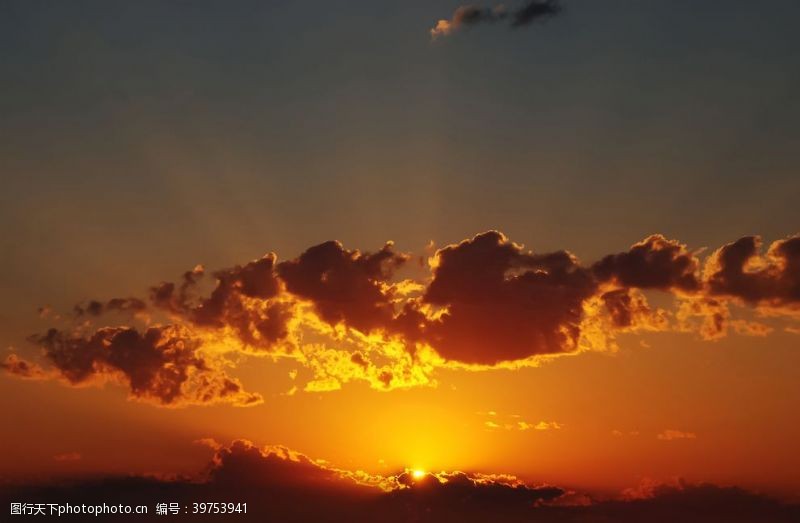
column 712, row 314
column 245, row 465
column 679, row 500
column 125, row 305
column 345, row 315
column 503, row 303
column 20, row 368
column 515, row 422
column 162, row 364
column 522, row 15
column 653, row 263
column 629, row 310
column 468, row 15
column 244, row 300
column 345, row 286
column 284, row 485
column 534, row 10
column 618, row 433
column 739, row 271
column 672, row 434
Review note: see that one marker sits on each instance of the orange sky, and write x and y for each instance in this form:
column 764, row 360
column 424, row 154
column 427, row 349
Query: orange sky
column 645, row 400
column 557, row 240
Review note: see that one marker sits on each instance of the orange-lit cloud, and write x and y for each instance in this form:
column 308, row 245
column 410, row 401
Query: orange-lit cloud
column 162, row 364
column 13, row 364
column 513, row 422
column 672, row 434
column 348, row 316
column 629, row 310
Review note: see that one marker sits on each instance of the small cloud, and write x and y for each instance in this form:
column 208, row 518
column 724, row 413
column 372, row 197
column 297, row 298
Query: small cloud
column 548, row 425
column 515, row 422
column 671, row 434
column 20, row 368
column 469, row 15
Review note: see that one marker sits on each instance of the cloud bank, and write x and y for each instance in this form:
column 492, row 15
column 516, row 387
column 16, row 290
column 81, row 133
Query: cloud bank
column 280, row 484
column 346, row 315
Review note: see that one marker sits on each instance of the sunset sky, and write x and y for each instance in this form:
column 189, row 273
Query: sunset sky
column 560, row 244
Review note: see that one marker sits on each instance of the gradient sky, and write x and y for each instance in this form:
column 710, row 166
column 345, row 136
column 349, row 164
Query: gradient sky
column 142, row 138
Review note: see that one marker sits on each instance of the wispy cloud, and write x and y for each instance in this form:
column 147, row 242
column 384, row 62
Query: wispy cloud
column 672, row 434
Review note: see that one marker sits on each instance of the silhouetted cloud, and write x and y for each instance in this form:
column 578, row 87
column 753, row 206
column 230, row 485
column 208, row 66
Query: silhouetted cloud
column 738, row 270
column 518, row 16
column 242, row 301
column 345, row 286
column 629, row 310
column 96, row 308
column 487, row 302
column 654, row 263
column 161, row 364
column 503, row 303
column 283, row 485
column 533, row 10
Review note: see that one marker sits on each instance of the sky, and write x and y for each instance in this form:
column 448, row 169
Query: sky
column 558, row 244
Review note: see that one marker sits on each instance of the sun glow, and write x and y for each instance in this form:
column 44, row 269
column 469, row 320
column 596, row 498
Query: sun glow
column 418, row 473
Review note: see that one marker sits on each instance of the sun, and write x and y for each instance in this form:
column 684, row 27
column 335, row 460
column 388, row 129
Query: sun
column 418, row 473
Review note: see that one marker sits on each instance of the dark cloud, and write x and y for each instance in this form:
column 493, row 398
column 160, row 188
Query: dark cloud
column 502, row 303
column 470, row 14
column 244, row 465
column 628, row 309
column 700, row 503
column 519, row 16
column 533, row 10
column 484, row 497
column 161, row 364
column 256, row 279
column 653, row 263
column 174, row 299
column 279, row 484
column 242, row 301
column 738, row 270
column 96, row 308
column 345, row 286
column 487, row 301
